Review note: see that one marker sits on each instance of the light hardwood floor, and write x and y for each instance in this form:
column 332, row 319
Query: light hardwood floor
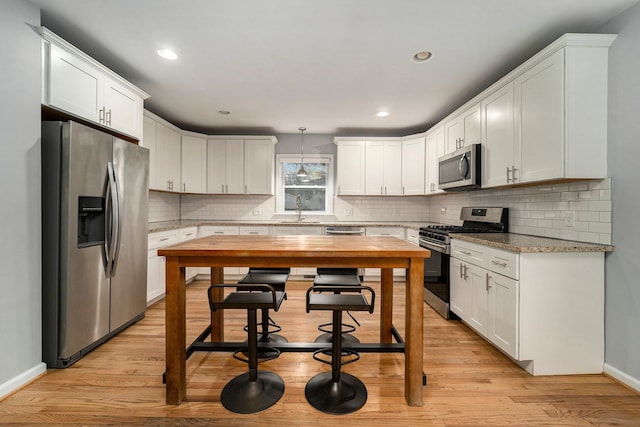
column 470, row 383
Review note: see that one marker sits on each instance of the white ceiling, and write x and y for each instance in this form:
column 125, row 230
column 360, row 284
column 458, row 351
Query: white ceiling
column 329, row 65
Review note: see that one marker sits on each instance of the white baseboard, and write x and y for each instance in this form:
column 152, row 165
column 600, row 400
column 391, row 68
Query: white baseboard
column 24, row 378
column 624, row 378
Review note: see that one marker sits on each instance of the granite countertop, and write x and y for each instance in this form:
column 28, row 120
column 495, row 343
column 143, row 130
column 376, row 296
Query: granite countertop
column 524, row 243
column 172, row 225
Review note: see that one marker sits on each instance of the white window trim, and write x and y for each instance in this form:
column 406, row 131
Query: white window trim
column 308, row 158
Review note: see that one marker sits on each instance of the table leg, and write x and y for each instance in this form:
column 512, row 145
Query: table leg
column 386, row 305
column 175, row 331
column 414, row 333
column 217, row 317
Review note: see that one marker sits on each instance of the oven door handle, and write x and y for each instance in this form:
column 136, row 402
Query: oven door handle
column 435, row 246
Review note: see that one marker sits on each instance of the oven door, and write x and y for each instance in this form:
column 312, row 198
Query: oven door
column 436, row 277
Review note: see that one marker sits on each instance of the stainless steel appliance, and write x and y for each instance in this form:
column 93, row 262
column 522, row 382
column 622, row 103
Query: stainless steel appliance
column 460, row 170
column 94, row 232
column 437, row 239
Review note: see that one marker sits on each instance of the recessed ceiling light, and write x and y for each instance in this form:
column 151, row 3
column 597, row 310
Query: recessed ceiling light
column 382, row 114
column 224, row 112
column 167, row 54
column 421, row 56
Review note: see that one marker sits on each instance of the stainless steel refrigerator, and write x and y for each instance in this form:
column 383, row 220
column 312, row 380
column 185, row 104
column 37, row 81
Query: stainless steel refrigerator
column 94, row 232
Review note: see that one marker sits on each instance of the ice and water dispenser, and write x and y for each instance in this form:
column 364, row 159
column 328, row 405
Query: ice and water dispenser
column 91, row 221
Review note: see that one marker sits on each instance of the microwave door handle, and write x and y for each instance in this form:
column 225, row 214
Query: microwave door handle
column 465, row 162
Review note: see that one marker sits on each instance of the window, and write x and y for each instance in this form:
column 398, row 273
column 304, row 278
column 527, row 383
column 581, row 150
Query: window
column 314, row 193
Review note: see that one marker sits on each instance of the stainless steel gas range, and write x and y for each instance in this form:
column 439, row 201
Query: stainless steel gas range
column 437, row 239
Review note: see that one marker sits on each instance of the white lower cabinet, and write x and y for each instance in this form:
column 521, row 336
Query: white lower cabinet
column 543, row 309
column 156, row 276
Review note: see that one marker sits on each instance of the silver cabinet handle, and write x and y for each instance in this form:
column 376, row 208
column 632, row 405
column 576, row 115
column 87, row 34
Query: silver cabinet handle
column 164, row 239
column 465, row 253
column 226, row 188
column 222, row 189
column 488, row 286
column 245, row 189
column 101, row 115
column 253, row 232
column 461, row 270
column 385, row 190
column 465, row 272
column 184, row 186
column 108, row 117
column 513, row 174
column 508, row 171
column 501, row 264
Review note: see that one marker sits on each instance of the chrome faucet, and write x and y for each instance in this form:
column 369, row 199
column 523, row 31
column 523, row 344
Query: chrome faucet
column 299, row 206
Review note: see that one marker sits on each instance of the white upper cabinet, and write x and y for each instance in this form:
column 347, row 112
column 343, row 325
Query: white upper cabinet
column 434, row 147
column 463, row 129
column 547, row 119
column 194, row 164
column 76, row 83
column 498, row 153
column 350, row 168
column 239, row 166
column 383, row 168
column 259, row 166
column 413, row 166
column 168, row 158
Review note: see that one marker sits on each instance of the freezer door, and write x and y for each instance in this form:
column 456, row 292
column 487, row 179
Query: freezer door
column 84, row 284
column 129, row 276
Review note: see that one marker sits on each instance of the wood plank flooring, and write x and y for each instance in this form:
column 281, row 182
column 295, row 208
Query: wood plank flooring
column 470, row 383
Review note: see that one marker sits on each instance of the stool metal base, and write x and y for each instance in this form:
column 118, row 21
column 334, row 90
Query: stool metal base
column 268, row 353
column 243, row 396
column 342, row 397
column 328, row 338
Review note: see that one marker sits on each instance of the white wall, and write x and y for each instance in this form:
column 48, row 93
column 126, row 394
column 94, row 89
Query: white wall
column 622, row 267
column 20, row 247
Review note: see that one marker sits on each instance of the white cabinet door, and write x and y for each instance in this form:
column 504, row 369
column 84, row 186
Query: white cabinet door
column 434, row 146
column 464, row 129
column 194, row 164
column 156, row 277
column 235, row 167
column 122, row 108
column 477, row 312
column 168, row 157
column 498, row 137
column 216, row 166
column 539, row 120
column 350, row 168
column 259, row 163
column 383, row 168
column 459, row 289
column 74, row 85
column 149, row 141
column 374, row 168
column 413, row 158
column 502, row 326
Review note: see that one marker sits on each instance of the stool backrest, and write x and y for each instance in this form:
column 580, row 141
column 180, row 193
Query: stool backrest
column 340, row 271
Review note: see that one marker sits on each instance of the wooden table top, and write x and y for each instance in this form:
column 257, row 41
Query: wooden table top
column 296, row 246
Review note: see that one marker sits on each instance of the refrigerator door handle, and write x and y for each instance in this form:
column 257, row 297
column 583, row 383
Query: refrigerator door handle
column 114, row 232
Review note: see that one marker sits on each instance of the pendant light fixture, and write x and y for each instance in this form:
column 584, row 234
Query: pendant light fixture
column 302, row 173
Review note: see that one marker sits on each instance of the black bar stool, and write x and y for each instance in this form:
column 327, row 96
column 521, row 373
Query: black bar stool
column 337, row 392
column 276, row 278
column 255, row 390
column 337, row 277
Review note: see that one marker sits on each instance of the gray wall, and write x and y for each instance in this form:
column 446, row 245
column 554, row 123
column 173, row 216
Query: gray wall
column 289, row 143
column 20, row 335
column 622, row 311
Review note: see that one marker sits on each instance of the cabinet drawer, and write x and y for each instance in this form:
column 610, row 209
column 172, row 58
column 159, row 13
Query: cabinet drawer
column 385, row 231
column 504, row 262
column 470, row 252
column 209, row 230
column 163, row 238
column 257, row 230
column 413, row 236
column 188, row 233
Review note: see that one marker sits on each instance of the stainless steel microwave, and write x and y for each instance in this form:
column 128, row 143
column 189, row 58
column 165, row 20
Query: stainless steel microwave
column 460, row 170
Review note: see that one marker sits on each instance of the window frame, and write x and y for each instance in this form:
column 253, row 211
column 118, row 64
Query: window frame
column 308, row 158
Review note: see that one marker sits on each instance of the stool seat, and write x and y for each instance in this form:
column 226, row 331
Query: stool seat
column 336, row 392
column 276, row 277
column 255, row 300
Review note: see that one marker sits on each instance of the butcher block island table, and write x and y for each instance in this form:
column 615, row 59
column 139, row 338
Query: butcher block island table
column 382, row 252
